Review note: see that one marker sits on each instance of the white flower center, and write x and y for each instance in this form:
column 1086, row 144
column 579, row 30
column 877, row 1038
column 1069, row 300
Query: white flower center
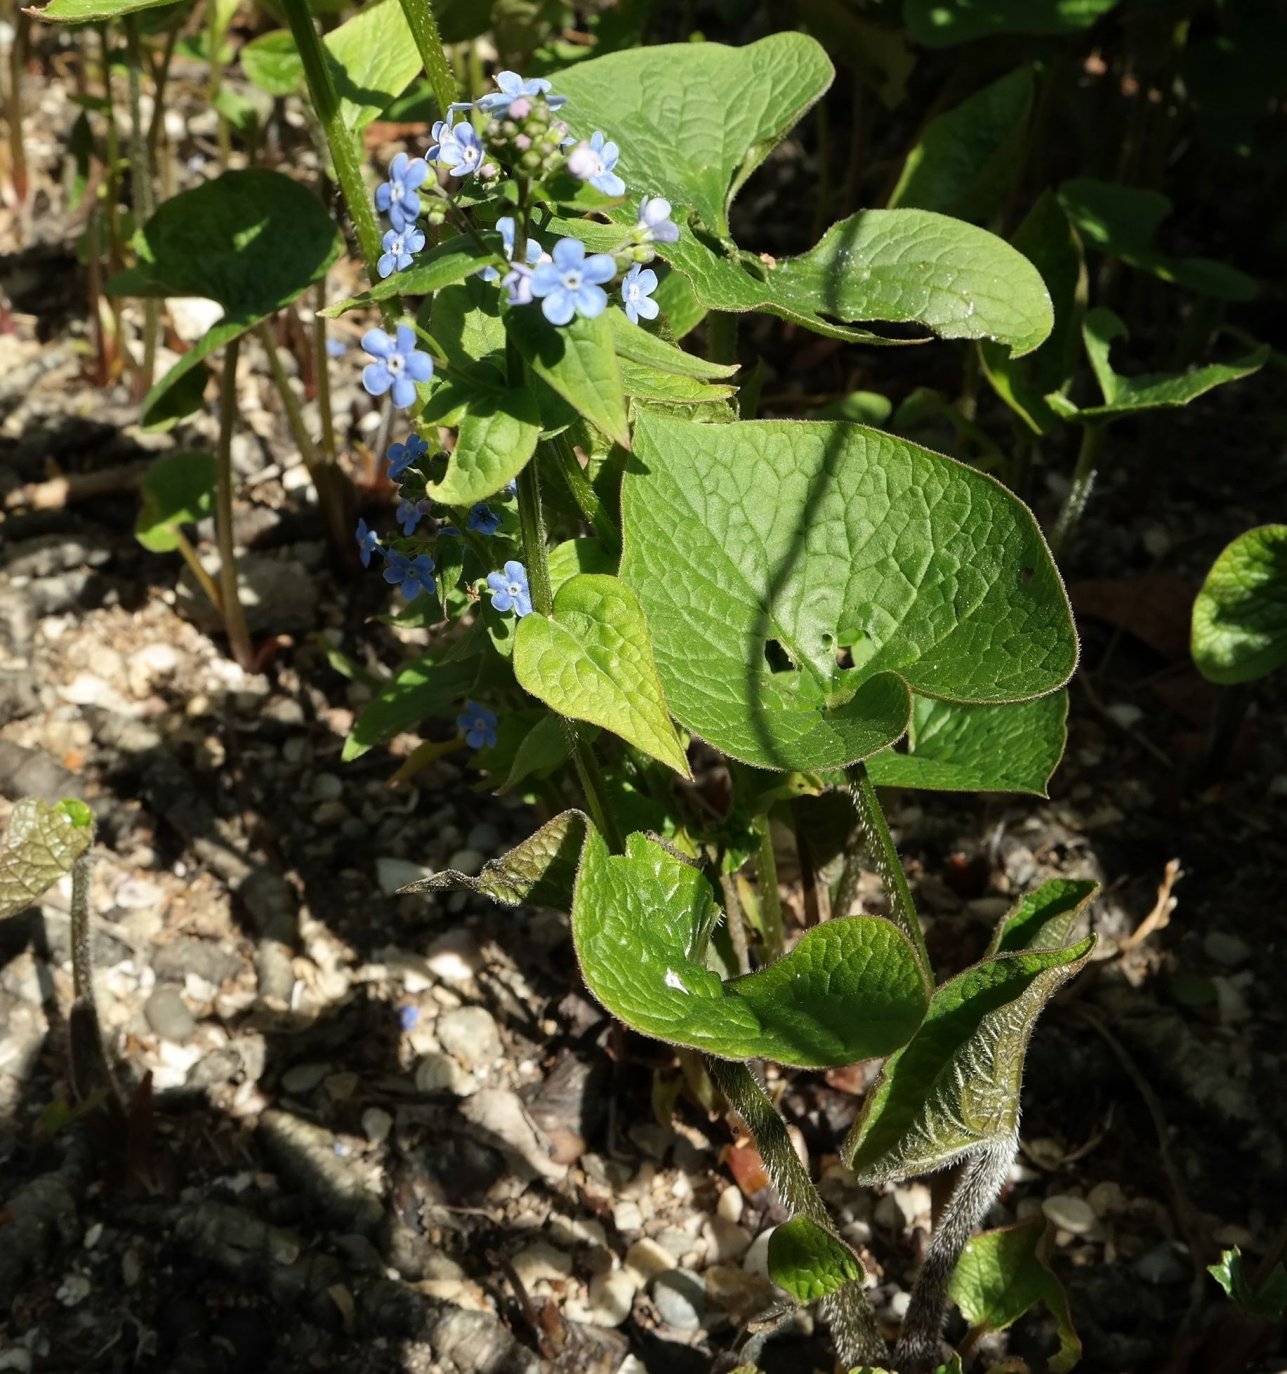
column 514, row 588
column 572, row 279
column 396, row 363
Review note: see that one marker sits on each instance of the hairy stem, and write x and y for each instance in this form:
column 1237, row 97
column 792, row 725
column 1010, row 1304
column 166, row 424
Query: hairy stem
column 322, row 365
column 583, row 493
column 90, row 1073
column 424, row 29
column 766, row 863
column 1083, row 479
column 234, row 617
column 978, row 1187
column 853, row 1323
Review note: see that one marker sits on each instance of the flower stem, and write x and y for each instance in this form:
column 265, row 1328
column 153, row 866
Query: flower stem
column 322, row 366
column 197, row 569
column 770, row 899
column 1083, row 479
column 424, row 29
column 234, row 617
column 587, row 498
column 144, row 193
column 17, row 69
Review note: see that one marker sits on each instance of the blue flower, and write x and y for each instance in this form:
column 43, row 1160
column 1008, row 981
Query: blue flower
column 408, row 1017
column 655, row 221
column 511, row 87
column 478, row 725
column 398, row 365
column 483, row 519
column 460, row 149
column 637, row 287
column 570, row 285
column 594, row 162
column 410, row 575
column 336, row 348
column 505, row 228
column 510, row 490
column 367, row 541
column 410, row 514
column 509, row 589
column 397, row 197
column 402, row 456
column 398, row 245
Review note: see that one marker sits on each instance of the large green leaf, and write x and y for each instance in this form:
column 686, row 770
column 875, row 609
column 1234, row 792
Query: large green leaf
column 955, row 748
column 965, row 161
column 955, row 1088
column 1002, row 1274
column 1240, row 616
column 94, row 11
column 177, row 490
column 497, row 436
column 944, row 23
column 850, row 989
column 1154, row 390
column 1046, row 918
column 272, row 62
column 1051, row 244
column 253, row 240
column 578, row 361
column 1265, row 1300
column 774, row 545
column 443, row 265
column 373, row 58
column 809, row 1262
column 694, row 120
column 1123, row 221
column 42, row 842
column 593, row 661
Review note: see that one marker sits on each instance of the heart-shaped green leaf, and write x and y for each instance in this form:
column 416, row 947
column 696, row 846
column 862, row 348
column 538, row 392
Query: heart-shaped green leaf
column 1002, row 1274
column 42, row 842
column 443, row 265
column 944, row 23
column 954, row 1089
column 497, row 436
column 373, row 58
column 967, row 158
column 272, row 62
column 1044, row 919
column 1240, row 616
column 593, row 661
column 727, row 108
column 955, row 748
column 809, row 1262
column 578, row 360
column 1153, row 391
column 850, row 989
column 252, row 240
column 178, row 489
column 777, row 545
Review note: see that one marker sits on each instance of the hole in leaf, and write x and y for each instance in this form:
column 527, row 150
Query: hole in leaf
column 777, row 658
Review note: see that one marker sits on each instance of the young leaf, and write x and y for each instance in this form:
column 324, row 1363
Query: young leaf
column 178, row 489
column 579, row 362
column 253, row 240
column 543, row 748
column 1268, row 1301
column 373, row 58
column 732, row 105
column 1152, row 391
column 1044, row 919
column 774, row 544
column 273, row 63
column 954, row 1090
column 635, row 344
column 593, row 661
column 850, row 989
column 955, row 748
column 93, row 11
column 497, row 436
column 1240, row 615
column 967, row 158
column 810, row 1262
column 575, row 556
column 1123, row 221
column 443, row 265
column 1003, row 1273
column 944, row 23
column 42, row 842
column 648, row 384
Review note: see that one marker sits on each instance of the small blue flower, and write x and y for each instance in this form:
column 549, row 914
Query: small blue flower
column 505, row 228
column 571, row 283
column 509, row 589
column 408, row 1017
column 483, row 519
column 594, row 162
column 398, row 365
column 637, row 287
column 410, row 514
column 410, row 575
column 655, row 221
column 336, row 348
column 511, row 86
column 367, row 541
column 510, row 490
column 460, row 150
column 398, row 247
column 397, row 197
column 402, row 456
column 478, row 725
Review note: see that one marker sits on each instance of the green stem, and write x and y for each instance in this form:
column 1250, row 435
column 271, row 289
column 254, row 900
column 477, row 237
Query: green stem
column 197, row 569
column 234, row 617
column 144, row 192
column 424, row 29
column 322, row 365
column 1083, row 479
column 343, row 146
column 584, row 494
column 770, row 898
column 17, row 69
column 853, row 1323
column 902, row 910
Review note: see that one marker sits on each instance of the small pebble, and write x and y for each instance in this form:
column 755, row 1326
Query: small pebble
column 731, row 1204
column 680, row 1298
column 484, row 837
column 73, row 1290
column 1072, row 1214
column 648, row 1259
column 168, row 1015
column 756, row 1259
column 327, row 787
column 628, row 1217
column 1226, row 949
column 541, row 1261
column 725, row 1240
column 439, row 1073
column 376, row 1125
column 303, row 1078
column 468, row 861
column 470, row 1034
column 391, row 874
column 612, row 1296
